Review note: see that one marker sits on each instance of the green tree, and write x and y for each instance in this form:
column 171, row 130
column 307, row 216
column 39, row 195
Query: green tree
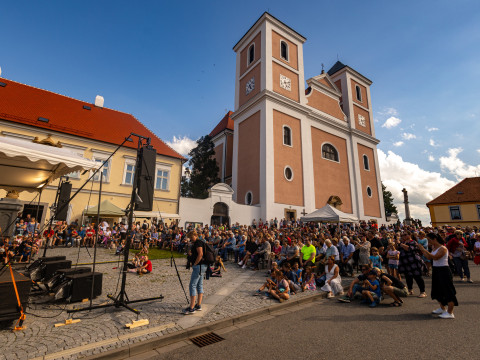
column 204, row 170
column 390, row 208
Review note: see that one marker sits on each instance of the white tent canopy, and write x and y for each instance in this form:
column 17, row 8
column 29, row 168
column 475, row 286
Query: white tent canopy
column 28, row 166
column 329, row 214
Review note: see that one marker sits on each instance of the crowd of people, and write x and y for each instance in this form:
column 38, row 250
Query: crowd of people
column 298, row 256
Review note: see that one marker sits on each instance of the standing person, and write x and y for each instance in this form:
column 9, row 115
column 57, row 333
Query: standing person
column 457, row 248
column 411, row 264
column 442, row 281
column 199, row 268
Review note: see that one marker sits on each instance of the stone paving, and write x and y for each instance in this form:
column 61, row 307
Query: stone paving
column 224, row 297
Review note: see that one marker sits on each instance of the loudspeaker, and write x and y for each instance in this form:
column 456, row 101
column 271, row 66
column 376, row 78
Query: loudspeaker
column 63, row 199
column 60, row 276
column 9, row 309
column 145, row 178
column 42, row 260
column 81, row 286
column 51, row 267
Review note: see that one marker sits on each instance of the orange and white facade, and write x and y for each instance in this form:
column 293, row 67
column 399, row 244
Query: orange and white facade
column 295, row 147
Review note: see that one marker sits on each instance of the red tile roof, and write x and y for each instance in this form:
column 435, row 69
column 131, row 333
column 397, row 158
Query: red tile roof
column 24, row 104
column 467, row 190
column 225, row 123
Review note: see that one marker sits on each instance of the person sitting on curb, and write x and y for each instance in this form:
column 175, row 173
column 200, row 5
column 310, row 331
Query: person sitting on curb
column 277, row 287
column 371, row 292
column 217, row 267
column 356, row 285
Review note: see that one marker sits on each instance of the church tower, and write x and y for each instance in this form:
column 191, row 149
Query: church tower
column 296, row 148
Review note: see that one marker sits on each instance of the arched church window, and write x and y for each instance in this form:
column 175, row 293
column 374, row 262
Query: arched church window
column 366, row 164
column 329, row 152
column 287, row 136
column 359, row 92
column 251, row 54
column 284, row 50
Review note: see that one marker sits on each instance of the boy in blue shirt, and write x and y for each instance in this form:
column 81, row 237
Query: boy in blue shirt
column 371, row 289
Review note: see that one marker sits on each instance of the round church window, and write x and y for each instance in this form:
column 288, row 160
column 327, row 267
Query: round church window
column 288, row 173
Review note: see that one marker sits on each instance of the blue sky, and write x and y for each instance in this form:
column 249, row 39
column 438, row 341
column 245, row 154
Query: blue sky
column 171, row 64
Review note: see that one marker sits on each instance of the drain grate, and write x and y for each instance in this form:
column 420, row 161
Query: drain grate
column 206, row 339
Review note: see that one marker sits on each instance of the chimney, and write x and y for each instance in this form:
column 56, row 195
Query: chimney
column 99, row 101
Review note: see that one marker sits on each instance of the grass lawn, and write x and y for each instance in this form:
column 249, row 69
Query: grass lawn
column 154, row 254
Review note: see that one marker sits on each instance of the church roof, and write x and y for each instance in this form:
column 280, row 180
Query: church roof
column 40, row 108
column 467, row 190
column 336, row 67
column 225, row 123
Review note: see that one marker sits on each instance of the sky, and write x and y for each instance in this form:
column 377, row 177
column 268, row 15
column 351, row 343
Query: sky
column 172, row 66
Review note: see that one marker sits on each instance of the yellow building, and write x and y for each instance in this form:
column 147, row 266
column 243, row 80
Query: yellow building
column 459, row 205
column 94, row 132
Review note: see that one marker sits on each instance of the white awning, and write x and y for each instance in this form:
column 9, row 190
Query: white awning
column 155, row 214
column 329, row 214
column 28, row 166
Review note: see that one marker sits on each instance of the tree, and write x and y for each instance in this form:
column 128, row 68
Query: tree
column 390, row 208
column 204, row 170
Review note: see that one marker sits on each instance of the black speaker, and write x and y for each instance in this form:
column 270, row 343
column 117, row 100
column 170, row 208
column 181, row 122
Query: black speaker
column 145, row 178
column 9, row 309
column 42, row 260
column 51, row 267
column 63, row 199
column 81, row 286
column 61, row 275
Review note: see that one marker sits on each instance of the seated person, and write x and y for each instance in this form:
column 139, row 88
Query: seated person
column 356, row 285
column 333, row 281
column 392, row 286
column 291, row 277
column 371, row 292
column 308, row 282
column 146, row 267
column 228, row 245
column 217, row 267
column 346, row 260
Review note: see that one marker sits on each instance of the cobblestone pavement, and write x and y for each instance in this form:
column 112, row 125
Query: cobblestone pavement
column 98, row 326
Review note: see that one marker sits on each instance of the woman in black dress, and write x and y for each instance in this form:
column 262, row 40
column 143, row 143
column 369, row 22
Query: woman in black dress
column 442, row 281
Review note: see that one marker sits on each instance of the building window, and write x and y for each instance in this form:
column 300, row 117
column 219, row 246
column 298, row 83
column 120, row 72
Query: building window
column 455, row 213
column 105, row 170
column 248, row 198
column 251, row 54
column 284, row 50
column 478, row 211
column 359, row 93
column 366, row 164
column 288, row 173
column 369, row 191
column 162, row 179
column 287, row 136
column 129, row 174
column 329, row 152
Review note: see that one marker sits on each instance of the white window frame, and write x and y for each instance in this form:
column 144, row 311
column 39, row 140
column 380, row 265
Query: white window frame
column 79, row 150
column 459, row 211
column 338, row 153
column 100, row 158
column 285, row 175
column 248, row 54
column 288, row 51
column 246, row 197
column 371, row 191
column 162, row 168
column 367, row 168
column 128, row 162
column 358, row 92
column 283, row 135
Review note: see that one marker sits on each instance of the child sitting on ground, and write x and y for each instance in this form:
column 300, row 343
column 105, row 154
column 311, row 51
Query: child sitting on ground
column 217, row 267
column 309, row 280
column 371, row 292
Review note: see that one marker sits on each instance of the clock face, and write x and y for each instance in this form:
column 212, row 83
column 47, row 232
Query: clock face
column 361, row 120
column 250, row 86
column 285, row 83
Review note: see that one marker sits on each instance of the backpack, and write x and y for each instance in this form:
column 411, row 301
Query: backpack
column 208, row 254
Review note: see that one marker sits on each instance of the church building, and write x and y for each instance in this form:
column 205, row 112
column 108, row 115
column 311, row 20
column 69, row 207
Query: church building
column 292, row 144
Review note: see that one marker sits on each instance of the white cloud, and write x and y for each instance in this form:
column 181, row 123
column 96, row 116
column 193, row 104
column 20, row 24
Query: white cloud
column 398, row 143
column 389, row 111
column 182, row 145
column 431, row 158
column 457, row 167
column 432, row 129
column 408, row 136
column 422, row 185
column 478, row 150
column 433, row 143
column 391, row 122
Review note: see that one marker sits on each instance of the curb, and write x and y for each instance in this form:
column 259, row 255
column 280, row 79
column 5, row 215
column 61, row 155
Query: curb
column 152, row 344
